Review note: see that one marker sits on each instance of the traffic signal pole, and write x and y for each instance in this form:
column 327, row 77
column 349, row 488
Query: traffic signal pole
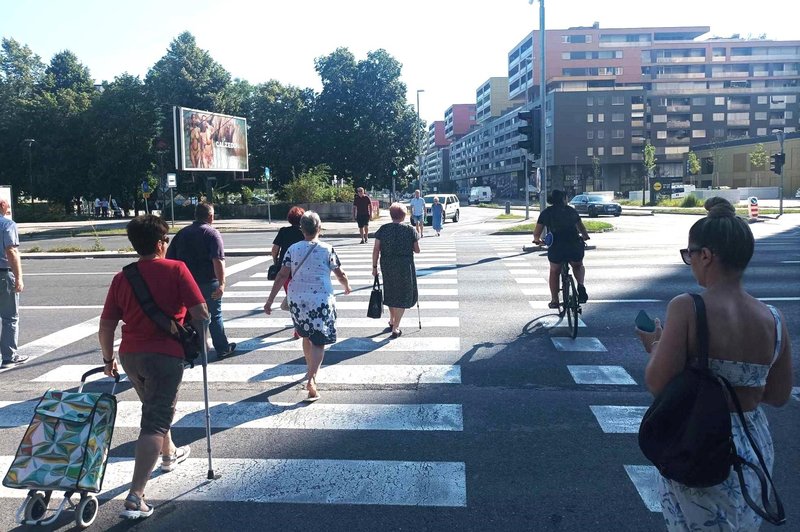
column 542, row 96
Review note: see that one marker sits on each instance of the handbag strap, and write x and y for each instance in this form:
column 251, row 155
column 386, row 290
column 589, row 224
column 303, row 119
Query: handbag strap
column 776, row 515
column 310, row 251
column 145, row 299
column 376, row 285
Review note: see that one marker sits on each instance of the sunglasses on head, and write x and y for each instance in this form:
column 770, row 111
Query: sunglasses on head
column 686, row 254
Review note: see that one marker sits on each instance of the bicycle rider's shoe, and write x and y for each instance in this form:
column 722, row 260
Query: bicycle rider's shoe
column 553, row 304
column 583, row 297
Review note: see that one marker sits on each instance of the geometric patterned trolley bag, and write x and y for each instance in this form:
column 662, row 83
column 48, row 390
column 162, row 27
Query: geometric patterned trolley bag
column 65, row 449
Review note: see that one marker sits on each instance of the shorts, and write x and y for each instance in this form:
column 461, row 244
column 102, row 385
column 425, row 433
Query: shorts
column 156, row 379
column 362, row 220
column 417, row 219
column 572, row 252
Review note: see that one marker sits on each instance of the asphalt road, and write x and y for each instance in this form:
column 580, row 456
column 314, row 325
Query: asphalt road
column 476, row 421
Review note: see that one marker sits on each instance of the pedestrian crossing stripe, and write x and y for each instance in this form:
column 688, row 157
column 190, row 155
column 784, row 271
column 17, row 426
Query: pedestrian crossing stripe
column 536, row 290
column 645, row 479
column 530, row 280
column 341, row 304
column 357, row 374
column 580, row 344
column 416, row 344
column 278, row 415
column 429, row 279
column 555, row 322
column 542, row 304
column 341, row 323
column 619, row 419
column 46, row 344
column 292, row 481
column 365, row 293
column 600, row 375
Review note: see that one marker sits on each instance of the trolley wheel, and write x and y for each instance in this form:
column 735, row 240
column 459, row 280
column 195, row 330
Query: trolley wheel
column 35, row 507
column 86, row 512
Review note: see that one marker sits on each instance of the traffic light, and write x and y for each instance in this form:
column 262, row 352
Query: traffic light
column 776, row 161
column 531, row 131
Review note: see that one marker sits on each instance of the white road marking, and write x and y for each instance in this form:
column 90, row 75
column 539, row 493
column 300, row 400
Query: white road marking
column 278, row 415
column 337, row 293
column 61, row 274
column 555, row 322
column 62, row 307
column 609, row 375
column 340, row 305
column 619, row 419
column 246, row 264
column 578, row 344
column 645, row 479
column 536, row 291
column 379, row 374
column 529, row 280
column 357, row 323
column 56, row 340
column 414, row 344
column 373, row 482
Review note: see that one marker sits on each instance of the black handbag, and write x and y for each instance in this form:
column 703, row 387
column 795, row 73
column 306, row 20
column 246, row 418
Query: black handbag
column 686, row 432
column 272, row 271
column 185, row 333
column 375, row 307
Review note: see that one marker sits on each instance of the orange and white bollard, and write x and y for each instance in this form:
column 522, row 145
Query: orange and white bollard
column 753, row 207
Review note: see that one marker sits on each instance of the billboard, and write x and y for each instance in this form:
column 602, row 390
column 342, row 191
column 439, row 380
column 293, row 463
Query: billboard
column 209, row 141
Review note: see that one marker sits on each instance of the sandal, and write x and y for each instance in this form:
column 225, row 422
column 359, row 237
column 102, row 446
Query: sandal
column 135, row 512
column 312, row 387
column 553, row 304
column 396, row 334
column 169, row 463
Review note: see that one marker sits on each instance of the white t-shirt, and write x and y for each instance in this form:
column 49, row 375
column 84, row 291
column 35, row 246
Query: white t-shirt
column 417, row 206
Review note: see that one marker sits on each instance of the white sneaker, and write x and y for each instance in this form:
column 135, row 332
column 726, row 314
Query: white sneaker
column 169, row 463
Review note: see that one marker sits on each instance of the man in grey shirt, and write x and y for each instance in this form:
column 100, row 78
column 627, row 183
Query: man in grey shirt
column 10, row 287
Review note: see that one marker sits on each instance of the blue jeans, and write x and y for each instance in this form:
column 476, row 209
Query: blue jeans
column 9, row 313
column 215, row 328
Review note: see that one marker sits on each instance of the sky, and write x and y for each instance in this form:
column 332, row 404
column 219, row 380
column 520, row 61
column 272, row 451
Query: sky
column 447, row 47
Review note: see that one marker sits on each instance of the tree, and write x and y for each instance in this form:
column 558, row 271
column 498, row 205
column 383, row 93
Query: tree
column 597, row 170
column 66, row 72
column 758, row 160
column 694, row 163
column 649, row 167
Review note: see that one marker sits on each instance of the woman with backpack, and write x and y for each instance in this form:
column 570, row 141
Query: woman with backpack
column 748, row 344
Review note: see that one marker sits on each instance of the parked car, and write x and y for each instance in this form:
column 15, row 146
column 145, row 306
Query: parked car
column 451, row 204
column 594, row 205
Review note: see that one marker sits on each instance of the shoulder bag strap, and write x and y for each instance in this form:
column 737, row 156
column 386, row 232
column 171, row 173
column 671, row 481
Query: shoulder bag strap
column 309, row 252
column 702, row 330
column 145, row 299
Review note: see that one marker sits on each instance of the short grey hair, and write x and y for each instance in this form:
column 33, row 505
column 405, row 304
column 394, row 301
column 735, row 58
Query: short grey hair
column 310, row 223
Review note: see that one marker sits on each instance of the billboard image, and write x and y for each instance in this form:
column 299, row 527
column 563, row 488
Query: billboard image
column 210, row 141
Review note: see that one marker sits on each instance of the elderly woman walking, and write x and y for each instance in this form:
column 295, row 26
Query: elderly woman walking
column 395, row 245
column 311, row 300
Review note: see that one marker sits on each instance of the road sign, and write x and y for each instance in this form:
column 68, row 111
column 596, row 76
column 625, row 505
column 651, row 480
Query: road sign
column 145, row 186
column 657, row 186
column 753, row 206
column 266, row 174
column 172, row 181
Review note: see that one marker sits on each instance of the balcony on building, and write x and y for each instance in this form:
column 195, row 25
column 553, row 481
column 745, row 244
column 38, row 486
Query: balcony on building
column 678, row 124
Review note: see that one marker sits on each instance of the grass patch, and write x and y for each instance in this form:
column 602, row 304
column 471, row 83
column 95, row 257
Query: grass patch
column 488, row 206
column 509, row 217
column 591, row 227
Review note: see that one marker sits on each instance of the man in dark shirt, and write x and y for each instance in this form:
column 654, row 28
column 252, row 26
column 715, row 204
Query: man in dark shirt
column 362, row 212
column 200, row 246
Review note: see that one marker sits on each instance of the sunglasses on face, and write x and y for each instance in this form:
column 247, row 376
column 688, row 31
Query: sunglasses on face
column 164, row 239
column 686, row 254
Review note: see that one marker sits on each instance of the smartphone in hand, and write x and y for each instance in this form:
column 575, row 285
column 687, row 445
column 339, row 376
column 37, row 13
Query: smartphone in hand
column 644, row 322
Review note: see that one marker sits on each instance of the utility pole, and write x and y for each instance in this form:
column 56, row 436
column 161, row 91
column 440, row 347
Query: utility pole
column 542, row 96
column 418, row 141
column 529, row 61
column 781, row 136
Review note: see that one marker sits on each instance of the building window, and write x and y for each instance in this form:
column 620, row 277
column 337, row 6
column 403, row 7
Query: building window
column 661, row 134
column 761, row 116
column 589, row 101
column 719, row 133
column 762, row 131
column 601, row 150
column 601, row 134
column 763, row 100
column 590, row 117
column 601, row 117
column 697, row 117
column 618, row 117
column 600, row 100
column 719, row 117
column 659, row 119
column 719, row 100
column 698, row 133
column 698, row 101
column 617, row 150
column 618, row 134
column 589, row 152
column 589, row 134
column 618, row 100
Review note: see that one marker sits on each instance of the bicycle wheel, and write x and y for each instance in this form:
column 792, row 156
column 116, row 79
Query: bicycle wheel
column 572, row 309
column 565, row 295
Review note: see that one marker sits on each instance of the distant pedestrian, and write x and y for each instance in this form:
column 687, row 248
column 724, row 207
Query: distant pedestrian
column 200, row 246
column 362, row 213
column 151, row 357
column 311, row 300
column 104, row 207
column 286, row 237
column 437, row 215
column 97, row 208
column 395, row 245
column 417, row 205
column 10, row 287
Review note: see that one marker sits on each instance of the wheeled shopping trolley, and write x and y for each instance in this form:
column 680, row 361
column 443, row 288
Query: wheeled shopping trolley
column 64, row 449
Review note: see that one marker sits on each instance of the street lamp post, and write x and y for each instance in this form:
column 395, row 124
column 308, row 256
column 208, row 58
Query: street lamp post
column 576, row 175
column 781, row 136
column 527, row 61
column 542, row 96
column 417, row 140
column 30, row 142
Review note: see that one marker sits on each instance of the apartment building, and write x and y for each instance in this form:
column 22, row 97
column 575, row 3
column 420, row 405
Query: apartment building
column 609, row 91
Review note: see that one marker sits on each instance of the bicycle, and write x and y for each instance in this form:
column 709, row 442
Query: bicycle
column 569, row 303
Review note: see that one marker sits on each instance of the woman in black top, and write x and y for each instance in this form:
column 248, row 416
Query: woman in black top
column 286, row 237
column 395, row 245
column 568, row 234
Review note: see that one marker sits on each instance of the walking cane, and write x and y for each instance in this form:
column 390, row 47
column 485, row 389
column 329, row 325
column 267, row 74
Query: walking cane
column 418, row 315
column 204, row 349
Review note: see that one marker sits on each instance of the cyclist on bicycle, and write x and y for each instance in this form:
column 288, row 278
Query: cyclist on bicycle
column 568, row 235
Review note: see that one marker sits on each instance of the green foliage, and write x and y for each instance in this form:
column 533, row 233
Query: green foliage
column 690, row 201
column 649, row 157
column 314, row 186
column 247, row 195
column 759, row 157
column 694, row 163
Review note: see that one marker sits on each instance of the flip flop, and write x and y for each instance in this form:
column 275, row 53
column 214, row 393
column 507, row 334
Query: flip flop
column 312, row 399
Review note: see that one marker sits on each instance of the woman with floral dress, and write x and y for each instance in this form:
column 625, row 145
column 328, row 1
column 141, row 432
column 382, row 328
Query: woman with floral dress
column 311, row 300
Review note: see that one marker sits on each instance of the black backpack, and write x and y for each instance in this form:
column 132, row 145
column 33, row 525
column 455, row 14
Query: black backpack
column 687, row 435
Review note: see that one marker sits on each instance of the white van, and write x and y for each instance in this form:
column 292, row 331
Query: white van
column 480, row 195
